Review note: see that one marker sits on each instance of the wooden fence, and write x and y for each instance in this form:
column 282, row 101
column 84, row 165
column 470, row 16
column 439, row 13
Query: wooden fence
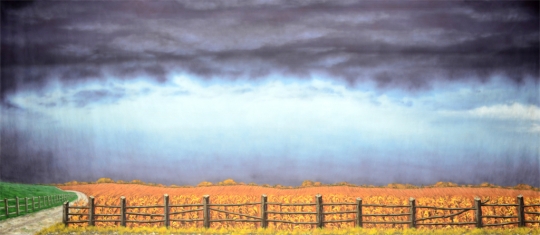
column 205, row 207
column 30, row 204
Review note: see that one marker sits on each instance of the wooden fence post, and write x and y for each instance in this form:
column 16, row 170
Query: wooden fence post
column 319, row 209
column 206, row 211
column 26, row 205
column 123, row 211
column 33, row 205
column 412, row 202
column 91, row 211
column 478, row 208
column 521, row 211
column 65, row 214
column 6, row 207
column 264, row 207
column 166, row 209
column 17, row 205
column 359, row 212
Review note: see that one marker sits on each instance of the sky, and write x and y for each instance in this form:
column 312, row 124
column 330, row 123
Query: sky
column 270, row 92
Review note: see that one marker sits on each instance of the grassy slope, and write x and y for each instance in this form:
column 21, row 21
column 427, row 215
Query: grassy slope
column 12, row 190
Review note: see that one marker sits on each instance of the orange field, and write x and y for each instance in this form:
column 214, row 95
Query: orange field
column 112, row 189
column 138, row 195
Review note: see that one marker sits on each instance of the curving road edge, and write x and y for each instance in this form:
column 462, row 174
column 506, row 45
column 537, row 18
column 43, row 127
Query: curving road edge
column 35, row 222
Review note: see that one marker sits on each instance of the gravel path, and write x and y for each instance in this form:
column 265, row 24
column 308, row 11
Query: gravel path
column 35, row 222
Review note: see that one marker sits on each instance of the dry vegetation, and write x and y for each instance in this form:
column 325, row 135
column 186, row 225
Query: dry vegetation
column 308, row 188
column 445, row 195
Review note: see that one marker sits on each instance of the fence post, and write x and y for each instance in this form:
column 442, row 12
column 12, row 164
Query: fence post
column 91, row 211
column 26, row 205
column 33, row 205
column 412, row 202
column 206, row 211
column 166, row 209
column 65, row 214
column 6, row 207
column 521, row 211
column 123, row 211
column 264, row 207
column 17, row 205
column 478, row 208
column 319, row 209
column 359, row 212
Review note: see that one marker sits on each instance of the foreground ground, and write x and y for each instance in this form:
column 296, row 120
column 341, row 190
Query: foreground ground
column 60, row 229
column 34, row 222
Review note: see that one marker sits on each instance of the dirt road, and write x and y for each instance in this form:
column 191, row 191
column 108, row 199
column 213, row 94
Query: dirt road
column 33, row 223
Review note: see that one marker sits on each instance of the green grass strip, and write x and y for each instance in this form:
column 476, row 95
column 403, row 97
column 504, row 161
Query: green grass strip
column 12, row 190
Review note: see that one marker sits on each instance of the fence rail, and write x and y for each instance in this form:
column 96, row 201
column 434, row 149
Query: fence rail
column 206, row 207
column 29, row 204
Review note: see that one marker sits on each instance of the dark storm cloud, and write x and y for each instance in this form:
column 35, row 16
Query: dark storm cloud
column 404, row 45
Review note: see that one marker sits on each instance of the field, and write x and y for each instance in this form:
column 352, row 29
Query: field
column 112, row 189
column 12, row 190
column 456, row 197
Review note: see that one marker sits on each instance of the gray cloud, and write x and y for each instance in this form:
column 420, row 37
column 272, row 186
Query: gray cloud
column 407, row 46
column 82, row 98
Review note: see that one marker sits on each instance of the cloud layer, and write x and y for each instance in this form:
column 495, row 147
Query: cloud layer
column 409, row 46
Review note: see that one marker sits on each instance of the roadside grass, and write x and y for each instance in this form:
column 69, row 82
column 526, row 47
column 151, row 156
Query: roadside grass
column 22, row 191
column 61, row 229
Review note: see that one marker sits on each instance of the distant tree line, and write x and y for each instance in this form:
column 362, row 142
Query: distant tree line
column 305, row 184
